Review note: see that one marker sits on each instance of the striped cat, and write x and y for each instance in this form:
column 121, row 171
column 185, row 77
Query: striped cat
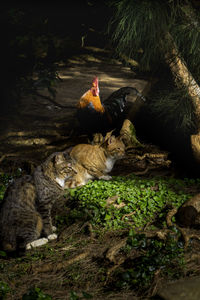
column 25, row 212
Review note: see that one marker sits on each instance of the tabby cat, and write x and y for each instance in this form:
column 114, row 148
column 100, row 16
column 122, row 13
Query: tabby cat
column 95, row 161
column 25, row 213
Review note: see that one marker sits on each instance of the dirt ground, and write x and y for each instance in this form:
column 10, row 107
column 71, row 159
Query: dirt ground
column 77, row 265
column 47, row 125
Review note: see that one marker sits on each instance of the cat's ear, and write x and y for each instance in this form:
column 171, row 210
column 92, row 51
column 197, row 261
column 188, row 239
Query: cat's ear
column 108, row 135
column 111, row 139
column 59, row 158
column 108, row 141
column 66, row 154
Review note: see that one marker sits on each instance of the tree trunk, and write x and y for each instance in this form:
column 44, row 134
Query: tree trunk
column 184, row 78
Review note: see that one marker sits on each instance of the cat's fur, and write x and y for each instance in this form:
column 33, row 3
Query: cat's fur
column 25, row 213
column 95, row 161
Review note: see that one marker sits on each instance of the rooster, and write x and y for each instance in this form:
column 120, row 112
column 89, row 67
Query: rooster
column 97, row 116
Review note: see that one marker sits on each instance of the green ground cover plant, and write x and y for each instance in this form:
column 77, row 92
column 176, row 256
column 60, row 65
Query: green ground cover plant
column 36, row 294
column 163, row 257
column 126, row 207
column 5, row 179
column 129, row 201
column 4, row 289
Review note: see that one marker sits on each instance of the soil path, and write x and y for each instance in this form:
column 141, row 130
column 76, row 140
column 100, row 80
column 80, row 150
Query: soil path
column 38, row 125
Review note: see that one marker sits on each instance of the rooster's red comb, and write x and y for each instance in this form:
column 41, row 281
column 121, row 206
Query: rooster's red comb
column 95, row 82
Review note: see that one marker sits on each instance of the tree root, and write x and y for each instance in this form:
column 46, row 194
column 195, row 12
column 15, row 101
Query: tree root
column 114, row 250
column 88, row 226
column 169, row 216
column 184, row 232
column 114, row 258
column 55, row 267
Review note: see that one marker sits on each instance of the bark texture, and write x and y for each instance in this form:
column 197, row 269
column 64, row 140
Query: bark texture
column 184, row 79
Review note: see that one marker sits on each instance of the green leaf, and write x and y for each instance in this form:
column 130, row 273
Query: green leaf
column 3, row 254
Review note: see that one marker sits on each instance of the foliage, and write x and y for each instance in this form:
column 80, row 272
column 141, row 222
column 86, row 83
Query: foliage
column 2, row 191
column 174, row 109
column 4, row 289
column 136, row 201
column 29, row 52
column 74, row 296
column 38, row 37
column 6, row 179
column 36, row 294
column 156, row 256
column 138, row 28
column 134, row 29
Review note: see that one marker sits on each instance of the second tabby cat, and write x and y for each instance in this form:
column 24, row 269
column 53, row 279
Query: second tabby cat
column 25, row 212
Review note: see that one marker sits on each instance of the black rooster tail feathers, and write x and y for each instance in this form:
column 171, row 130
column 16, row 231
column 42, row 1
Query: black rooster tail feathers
column 116, row 107
column 120, row 95
column 134, row 91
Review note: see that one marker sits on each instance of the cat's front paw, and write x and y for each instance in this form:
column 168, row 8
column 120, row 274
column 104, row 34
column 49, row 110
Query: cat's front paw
column 105, row 177
column 52, row 237
column 36, row 243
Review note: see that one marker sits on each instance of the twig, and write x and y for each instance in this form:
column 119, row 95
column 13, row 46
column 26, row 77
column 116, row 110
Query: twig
column 128, row 215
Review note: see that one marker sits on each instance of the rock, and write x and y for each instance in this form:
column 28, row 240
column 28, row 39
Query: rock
column 189, row 213
column 128, row 134
column 183, row 289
